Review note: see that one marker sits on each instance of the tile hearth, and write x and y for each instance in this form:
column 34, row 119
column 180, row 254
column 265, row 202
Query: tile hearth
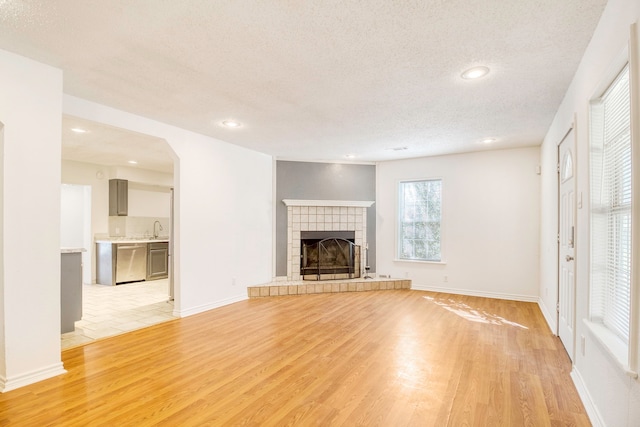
column 329, row 286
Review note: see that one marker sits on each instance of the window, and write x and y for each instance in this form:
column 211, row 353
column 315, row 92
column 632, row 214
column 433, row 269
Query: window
column 420, row 205
column 611, row 216
column 567, row 166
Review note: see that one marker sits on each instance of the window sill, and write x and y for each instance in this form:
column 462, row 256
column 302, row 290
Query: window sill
column 419, row 261
column 613, row 346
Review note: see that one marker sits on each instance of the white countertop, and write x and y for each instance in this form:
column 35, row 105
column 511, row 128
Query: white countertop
column 71, row 250
column 134, row 240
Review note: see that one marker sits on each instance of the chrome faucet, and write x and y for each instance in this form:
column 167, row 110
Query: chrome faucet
column 155, row 233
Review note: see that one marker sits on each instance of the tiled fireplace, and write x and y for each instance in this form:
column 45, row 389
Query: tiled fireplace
column 323, row 215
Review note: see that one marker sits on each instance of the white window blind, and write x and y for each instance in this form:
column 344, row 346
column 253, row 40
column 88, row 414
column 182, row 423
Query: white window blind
column 611, row 180
column 419, row 216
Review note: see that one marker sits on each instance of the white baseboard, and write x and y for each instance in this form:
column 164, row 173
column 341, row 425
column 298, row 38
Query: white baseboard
column 551, row 320
column 206, row 307
column 473, row 293
column 12, row 383
column 583, row 392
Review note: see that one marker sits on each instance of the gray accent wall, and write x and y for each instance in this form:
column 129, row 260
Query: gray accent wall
column 322, row 181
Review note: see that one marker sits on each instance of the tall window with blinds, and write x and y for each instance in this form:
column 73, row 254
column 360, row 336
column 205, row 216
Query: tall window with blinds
column 611, row 181
column 420, row 206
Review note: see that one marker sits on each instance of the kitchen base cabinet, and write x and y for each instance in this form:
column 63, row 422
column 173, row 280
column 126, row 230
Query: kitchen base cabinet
column 158, row 261
column 70, row 290
column 125, row 261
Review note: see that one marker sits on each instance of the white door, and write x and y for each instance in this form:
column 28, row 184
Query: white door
column 566, row 245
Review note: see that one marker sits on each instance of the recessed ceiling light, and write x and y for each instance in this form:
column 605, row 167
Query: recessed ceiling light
column 78, row 130
column 350, row 156
column 231, row 124
column 475, row 73
column 397, row 148
column 487, row 140
column 132, row 162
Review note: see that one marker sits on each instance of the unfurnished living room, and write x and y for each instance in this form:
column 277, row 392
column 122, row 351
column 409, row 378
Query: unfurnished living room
column 320, row 213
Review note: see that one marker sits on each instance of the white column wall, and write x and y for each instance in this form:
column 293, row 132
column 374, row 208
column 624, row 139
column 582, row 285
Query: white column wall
column 490, row 223
column 31, row 112
column 611, row 397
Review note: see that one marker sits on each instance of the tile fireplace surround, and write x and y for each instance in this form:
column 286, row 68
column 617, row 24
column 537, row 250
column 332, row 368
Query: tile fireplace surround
column 323, row 215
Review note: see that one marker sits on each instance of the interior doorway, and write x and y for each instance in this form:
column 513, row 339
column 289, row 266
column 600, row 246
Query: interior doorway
column 92, row 154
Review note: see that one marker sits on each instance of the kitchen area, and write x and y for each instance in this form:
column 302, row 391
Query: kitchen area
column 137, row 249
column 116, row 225
column 132, row 260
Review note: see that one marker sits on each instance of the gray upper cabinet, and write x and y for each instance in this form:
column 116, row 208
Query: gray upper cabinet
column 118, row 197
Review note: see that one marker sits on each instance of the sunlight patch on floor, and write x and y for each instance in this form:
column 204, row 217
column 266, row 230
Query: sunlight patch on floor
column 469, row 313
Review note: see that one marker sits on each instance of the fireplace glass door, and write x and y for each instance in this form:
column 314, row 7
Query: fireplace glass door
column 329, row 259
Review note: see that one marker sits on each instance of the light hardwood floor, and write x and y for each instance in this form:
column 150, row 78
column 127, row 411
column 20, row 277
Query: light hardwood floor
column 387, row 358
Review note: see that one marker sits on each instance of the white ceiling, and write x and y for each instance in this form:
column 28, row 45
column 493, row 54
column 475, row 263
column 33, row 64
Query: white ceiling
column 317, row 80
column 106, row 145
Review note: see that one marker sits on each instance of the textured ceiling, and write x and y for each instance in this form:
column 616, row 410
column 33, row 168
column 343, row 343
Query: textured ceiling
column 316, row 80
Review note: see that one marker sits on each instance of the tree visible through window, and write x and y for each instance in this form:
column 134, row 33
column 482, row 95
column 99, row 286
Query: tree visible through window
column 420, row 206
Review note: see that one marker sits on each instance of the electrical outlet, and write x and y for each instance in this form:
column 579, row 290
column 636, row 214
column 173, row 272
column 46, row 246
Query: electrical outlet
column 583, row 344
column 406, row 274
column 233, row 281
column 446, row 278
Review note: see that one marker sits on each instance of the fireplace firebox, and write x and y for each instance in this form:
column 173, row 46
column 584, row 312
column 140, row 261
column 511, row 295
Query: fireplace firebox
column 329, row 255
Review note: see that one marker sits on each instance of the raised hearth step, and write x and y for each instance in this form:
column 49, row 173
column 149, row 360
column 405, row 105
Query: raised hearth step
column 333, row 286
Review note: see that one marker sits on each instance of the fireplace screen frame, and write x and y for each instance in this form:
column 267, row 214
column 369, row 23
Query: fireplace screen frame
column 330, row 258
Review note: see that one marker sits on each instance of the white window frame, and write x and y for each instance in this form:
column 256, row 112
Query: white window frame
column 398, row 242
column 625, row 354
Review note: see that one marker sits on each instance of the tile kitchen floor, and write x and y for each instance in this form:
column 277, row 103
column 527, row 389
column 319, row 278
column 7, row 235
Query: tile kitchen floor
column 113, row 310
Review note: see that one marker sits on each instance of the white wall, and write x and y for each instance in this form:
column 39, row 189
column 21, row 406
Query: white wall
column 30, row 110
column 143, row 176
column 72, row 215
column 80, row 173
column 611, row 397
column 223, row 210
column 490, row 223
column 149, row 202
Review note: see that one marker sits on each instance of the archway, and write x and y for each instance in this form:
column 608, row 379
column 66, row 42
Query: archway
column 92, row 154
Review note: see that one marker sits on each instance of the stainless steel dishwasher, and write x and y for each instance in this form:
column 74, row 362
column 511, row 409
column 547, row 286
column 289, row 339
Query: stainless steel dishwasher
column 131, row 262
